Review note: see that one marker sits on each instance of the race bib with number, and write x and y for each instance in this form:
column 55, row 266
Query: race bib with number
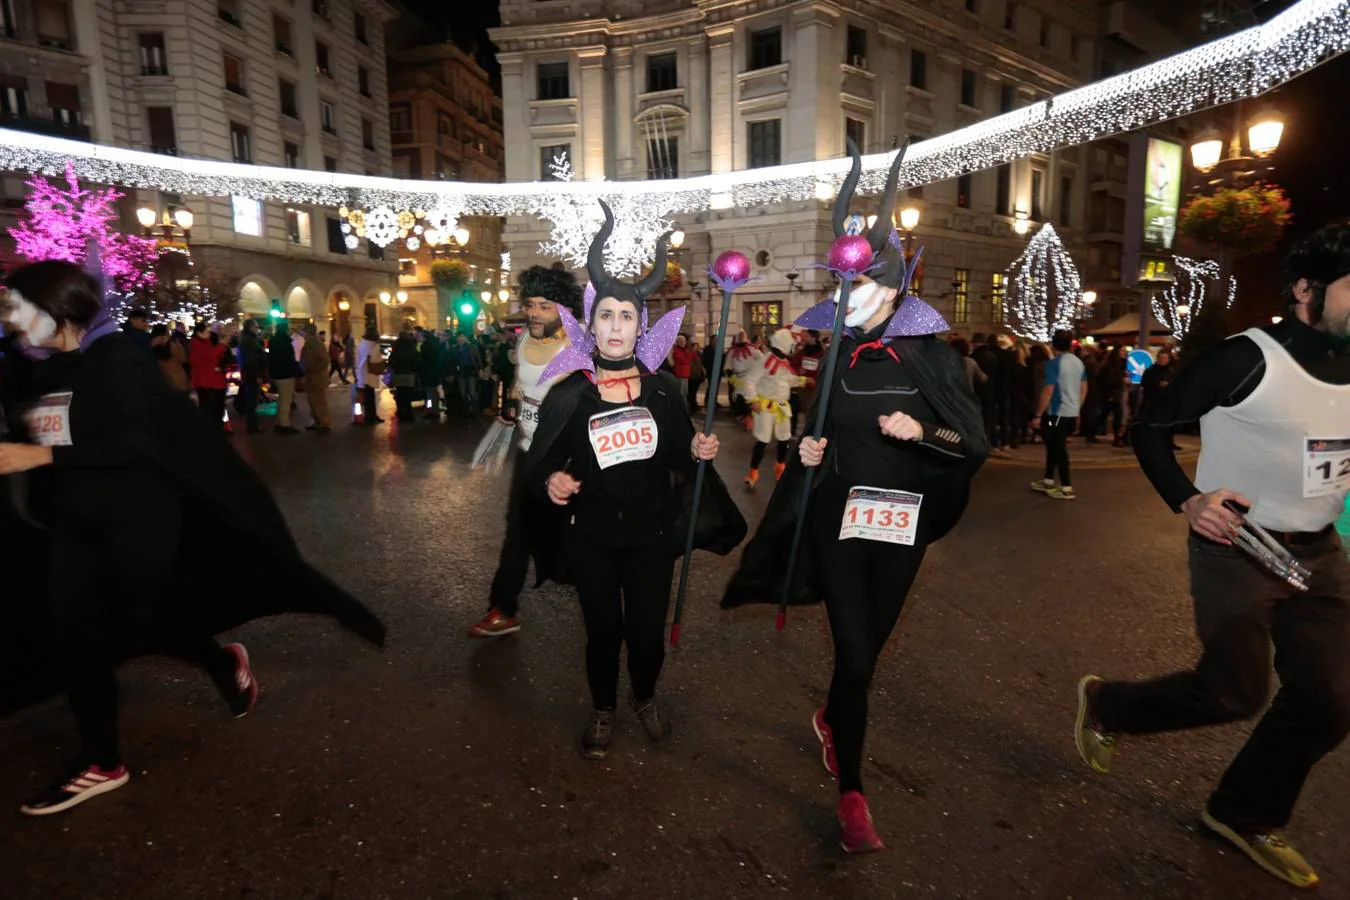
column 623, row 435
column 49, row 421
column 1326, row 466
column 877, row 514
column 810, row 364
column 529, row 413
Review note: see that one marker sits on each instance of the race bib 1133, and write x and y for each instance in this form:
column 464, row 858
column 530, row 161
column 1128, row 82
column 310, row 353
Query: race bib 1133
column 877, row 514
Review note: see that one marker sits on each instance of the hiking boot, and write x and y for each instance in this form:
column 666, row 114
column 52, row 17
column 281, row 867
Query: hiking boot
column 653, row 718
column 494, row 625
column 84, row 785
column 599, row 734
column 826, row 738
column 1095, row 744
column 856, row 832
column 1270, row 851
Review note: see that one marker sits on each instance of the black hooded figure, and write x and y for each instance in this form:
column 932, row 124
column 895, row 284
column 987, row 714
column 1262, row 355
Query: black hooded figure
column 902, row 440
column 615, row 449
column 105, row 470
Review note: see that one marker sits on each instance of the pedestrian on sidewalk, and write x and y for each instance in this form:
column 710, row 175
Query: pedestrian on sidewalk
column 337, row 359
column 284, row 368
column 370, row 366
column 316, row 366
column 252, row 361
column 129, row 465
column 208, row 356
column 1057, row 409
column 1273, row 405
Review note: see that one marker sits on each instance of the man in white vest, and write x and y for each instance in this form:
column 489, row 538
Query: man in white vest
column 1274, row 410
column 544, row 290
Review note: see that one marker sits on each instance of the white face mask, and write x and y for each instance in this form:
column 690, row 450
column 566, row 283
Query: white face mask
column 34, row 323
column 863, row 301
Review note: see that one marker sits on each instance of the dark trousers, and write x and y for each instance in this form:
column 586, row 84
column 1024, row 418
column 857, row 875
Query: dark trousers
column 624, row 594
column 1056, row 431
column 864, row 594
column 691, row 396
column 335, row 368
column 1240, row 610
column 757, row 454
column 989, row 409
column 211, row 401
column 514, row 560
column 403, row 402
column 369, row 404
column 248, row 402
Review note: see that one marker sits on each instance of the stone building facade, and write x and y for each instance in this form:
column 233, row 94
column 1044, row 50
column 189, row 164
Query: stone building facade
column 665, row 89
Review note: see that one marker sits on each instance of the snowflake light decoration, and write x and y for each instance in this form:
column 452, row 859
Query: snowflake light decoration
column 1178, row 306
column 639, row 221
column 381, row 226
column 1045, row 292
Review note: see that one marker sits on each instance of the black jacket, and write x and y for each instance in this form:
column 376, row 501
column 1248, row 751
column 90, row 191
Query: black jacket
column 132, row 434
column 721, row 527
column 281, row 362
column 939, row 373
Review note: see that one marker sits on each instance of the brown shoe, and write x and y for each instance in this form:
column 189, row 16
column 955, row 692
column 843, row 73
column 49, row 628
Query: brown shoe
column 494, row 625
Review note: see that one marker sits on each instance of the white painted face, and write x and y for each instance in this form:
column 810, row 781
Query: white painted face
column 615, row 326
column 23, row 316
column 865, row 300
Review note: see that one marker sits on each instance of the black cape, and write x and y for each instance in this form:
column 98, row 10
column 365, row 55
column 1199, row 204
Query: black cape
column 939, row 374
column 721, row 527
column 225, row 505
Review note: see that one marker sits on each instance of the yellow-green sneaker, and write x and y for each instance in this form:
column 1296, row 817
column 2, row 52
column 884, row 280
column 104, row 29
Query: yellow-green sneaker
column 1269, row 851
column 1095, row 745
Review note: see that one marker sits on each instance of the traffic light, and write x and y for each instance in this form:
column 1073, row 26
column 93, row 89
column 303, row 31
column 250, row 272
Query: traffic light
column 468, row 306
column 277, row 312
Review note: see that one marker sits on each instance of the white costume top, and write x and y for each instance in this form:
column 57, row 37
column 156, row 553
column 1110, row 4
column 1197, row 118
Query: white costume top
column 531, row 391
column 1286, row 447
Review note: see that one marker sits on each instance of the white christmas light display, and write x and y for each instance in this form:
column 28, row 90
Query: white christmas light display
column 1045, row 293
column 1178, row 306
column 639, row 220
column 1242, row 65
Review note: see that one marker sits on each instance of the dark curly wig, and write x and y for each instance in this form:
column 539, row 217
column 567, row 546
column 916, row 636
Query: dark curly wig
column 553, row 283
column 1322, row 257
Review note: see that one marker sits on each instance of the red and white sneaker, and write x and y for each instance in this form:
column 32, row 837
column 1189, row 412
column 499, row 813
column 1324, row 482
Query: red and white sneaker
column 89, row 782
column 245, row 695
column 494, row 625
column 826, row 738
column 856, row 833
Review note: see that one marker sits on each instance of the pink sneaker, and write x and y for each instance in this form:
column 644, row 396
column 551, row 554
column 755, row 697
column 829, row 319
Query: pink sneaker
column 245, row 695
column 826, row 738
column 856, row 834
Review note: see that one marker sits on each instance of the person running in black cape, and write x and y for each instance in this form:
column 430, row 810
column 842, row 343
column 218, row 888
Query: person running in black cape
column 890, row 476
column 109, row 471
column 616, row 448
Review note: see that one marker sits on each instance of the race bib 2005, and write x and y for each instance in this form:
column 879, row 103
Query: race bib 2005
column 623, row 435
column 49, row 421
column 877, row 514
column 1326, row 466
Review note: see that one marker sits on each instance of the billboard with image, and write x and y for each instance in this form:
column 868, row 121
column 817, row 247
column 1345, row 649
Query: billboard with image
column 1162, row 193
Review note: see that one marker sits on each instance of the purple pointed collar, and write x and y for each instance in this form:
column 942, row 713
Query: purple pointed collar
column 914, row 318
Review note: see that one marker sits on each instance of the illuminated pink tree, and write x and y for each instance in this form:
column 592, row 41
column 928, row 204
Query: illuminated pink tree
column 61, row 221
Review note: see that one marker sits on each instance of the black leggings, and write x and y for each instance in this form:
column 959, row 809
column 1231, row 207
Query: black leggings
column 1056, row 430
column 864, row 593
column 624, row 593
column 211, row 401
column 757, row 455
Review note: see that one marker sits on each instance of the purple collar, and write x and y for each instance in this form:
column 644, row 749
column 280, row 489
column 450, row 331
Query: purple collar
column 914, row 318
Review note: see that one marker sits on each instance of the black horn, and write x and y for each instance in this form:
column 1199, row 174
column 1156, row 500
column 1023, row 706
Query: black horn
column 595, row 259
column 881, row 229
column 653, row 281
column 846, row 189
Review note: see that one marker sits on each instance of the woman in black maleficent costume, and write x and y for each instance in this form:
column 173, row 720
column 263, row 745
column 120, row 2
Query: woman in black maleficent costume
column 616, row 448
column 890, row 475
column 104, row 469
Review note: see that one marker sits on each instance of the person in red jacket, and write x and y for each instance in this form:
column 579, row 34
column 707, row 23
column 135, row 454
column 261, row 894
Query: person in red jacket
column 206, row 358
column 806, row 362
column 682, row 359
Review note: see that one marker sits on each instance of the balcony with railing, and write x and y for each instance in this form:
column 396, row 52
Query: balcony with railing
column 74, row 130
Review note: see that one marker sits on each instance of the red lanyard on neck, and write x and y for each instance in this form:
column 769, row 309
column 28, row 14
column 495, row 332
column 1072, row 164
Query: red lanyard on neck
column 871, row 345
column 626, row 381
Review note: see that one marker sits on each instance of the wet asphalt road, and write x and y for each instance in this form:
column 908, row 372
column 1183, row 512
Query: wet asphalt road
column 446, row 768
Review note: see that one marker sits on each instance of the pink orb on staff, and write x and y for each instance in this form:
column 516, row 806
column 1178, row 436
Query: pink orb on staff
column 850, row 253
column 733, row 265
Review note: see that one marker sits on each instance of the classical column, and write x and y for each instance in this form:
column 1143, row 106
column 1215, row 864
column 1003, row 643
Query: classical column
column 722, row 98
column 813, row 87
column 515, row 119
column 624, row 110
column 698, row 104
column 592, row 114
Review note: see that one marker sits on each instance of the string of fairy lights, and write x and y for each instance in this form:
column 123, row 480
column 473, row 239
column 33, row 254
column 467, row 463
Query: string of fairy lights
column 1179, row 305
column 1045, row 291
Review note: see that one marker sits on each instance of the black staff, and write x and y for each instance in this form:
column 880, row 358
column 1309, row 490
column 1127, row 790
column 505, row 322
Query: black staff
column 850, row 255
column 730, row 271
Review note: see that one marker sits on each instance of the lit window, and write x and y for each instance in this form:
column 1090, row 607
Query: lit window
column 247, row 216
column 297, row 227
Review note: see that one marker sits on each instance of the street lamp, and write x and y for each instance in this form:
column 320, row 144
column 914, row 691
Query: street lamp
column 1264, row 131
column 344, row 305
column 461, row 237
column 1021, row 223
column 386, row 298
column 503, row 295
column 677, row 239
column 792, row 281
column 401, row 296
column 180, row 217
column 909, row 218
